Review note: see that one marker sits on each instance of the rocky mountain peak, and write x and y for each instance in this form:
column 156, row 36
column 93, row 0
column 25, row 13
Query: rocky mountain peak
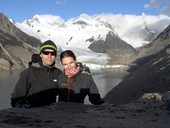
column 159, row 43
column 119, row 50
column 165, row 34
column 16, row 46
column 5, row 23
column 105, row 23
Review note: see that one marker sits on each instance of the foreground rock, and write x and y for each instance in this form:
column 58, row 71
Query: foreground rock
column 69, row 115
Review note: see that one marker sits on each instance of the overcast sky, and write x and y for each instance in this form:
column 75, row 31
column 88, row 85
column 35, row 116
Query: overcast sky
column 19, row 10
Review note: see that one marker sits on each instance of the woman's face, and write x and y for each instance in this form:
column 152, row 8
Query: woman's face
column 69, row 64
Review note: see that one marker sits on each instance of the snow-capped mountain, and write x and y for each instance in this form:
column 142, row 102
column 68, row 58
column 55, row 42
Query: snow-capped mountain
column 79, row 33
column 137, row 30
column 72, row 33
column 75, row 34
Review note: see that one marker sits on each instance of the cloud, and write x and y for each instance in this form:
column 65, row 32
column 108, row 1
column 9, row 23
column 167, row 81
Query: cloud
column 60, row 2
column 153, row 4
column 166, row 10
column 135, row 29
column 162, row 5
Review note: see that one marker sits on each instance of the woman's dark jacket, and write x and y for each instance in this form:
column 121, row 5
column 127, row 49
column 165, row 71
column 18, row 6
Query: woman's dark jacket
column 36, row 86
column 82, row 85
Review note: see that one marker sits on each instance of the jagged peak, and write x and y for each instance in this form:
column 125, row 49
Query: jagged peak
column 3, row 18
column 80, row 22
column 105, row 23
column 87, row 20
column 5, row 23
column 83, row 19
column 113, row 33
column 163, row 33
column 2, row 14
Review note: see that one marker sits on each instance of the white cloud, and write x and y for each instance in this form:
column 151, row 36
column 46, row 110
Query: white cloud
column 163, row 5
column 132, row 28
column 166, row 10
column 153, row 4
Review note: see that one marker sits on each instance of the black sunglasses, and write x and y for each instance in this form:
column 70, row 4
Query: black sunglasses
column 47, row 53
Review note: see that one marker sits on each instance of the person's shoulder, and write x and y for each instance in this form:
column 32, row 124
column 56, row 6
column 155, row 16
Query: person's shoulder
column 26, row 72
column 35, row 61
column 84, row 69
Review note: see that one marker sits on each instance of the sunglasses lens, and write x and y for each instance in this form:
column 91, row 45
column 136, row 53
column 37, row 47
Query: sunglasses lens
column 53, row 53
column 49, row 52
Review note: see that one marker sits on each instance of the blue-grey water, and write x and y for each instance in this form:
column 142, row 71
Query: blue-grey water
column 105, row 81
column 8, row 80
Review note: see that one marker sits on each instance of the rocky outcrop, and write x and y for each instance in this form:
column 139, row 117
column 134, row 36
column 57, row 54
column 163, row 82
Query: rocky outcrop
column 16, row 47
column 158, row 44
column 151, row 76
column 150, row 72
column 119, row 51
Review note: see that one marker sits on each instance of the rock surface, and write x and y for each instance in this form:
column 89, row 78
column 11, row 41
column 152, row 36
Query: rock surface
column 73, row 115
column 16, row 47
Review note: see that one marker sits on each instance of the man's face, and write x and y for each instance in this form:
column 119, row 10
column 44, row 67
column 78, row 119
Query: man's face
column 48, row 57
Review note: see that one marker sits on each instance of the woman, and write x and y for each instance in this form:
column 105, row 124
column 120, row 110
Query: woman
column 76, row 82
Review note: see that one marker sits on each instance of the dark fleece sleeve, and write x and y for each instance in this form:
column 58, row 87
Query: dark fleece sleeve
column 94, row 96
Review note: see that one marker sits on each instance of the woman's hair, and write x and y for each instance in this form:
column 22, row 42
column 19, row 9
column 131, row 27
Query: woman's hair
column 67, row 53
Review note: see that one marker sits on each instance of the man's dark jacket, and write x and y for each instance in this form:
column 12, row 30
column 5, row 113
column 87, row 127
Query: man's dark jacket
column 36, row 86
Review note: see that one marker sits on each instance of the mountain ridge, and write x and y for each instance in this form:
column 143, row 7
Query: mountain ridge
column 16, row 46
column 88, row 37
column 151, row 75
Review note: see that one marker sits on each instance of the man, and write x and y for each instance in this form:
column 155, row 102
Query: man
column 37, row 85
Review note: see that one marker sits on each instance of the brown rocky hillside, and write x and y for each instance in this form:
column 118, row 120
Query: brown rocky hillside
column 16, row 47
